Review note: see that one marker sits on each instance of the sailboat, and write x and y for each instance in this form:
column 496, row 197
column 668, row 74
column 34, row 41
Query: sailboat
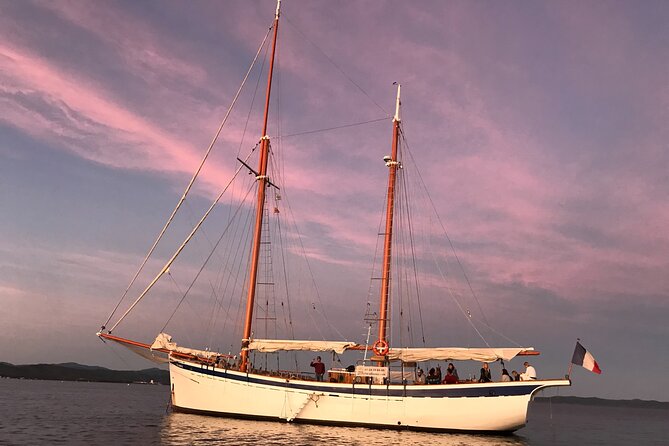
column 381, row 391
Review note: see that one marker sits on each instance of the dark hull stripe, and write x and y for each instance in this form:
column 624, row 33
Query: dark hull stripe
column 472, row 391
column 338, row 423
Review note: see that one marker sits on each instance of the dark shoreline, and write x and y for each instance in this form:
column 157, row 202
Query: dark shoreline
column 593, row 401
column 77, row 372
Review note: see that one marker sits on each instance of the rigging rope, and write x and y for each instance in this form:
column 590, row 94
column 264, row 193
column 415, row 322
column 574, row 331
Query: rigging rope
column 309, row 132
column 413, row 251
column 214, row 314
column 190, row 184
column 213, row 250
column 232, row 280
column 443, row 228
column 311, row 273
column 183, row 245
column 334, row 64
column 278, row 169
column 370, row 316
column 443, row 276
column 466, row 313
column 239, row 149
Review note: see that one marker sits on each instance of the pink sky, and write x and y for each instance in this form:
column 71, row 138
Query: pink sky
column 540, row 130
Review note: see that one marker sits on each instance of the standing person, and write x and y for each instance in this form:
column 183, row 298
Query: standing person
column 486, row 377
column 515, row 376
column 505, row 376
column 439, row 372
column 529, row 374
column 319, row 368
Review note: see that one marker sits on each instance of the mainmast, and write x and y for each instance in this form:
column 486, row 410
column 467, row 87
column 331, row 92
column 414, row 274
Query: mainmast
column 262, row 185
column 381, row 345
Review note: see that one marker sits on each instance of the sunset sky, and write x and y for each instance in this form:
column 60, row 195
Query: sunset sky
column 541, row 129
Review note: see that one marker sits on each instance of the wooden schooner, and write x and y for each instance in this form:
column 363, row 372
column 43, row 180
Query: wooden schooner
column 369, row 394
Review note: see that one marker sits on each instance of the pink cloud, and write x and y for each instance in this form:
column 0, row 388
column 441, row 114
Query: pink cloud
column 123, row 139
column 31, row 75
column 144, row 52
column 508, row 173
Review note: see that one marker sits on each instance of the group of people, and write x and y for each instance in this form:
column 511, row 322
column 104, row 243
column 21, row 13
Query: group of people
column 434, row 375
column 529, row 374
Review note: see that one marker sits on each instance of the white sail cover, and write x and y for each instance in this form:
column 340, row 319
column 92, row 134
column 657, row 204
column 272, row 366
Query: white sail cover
column 454, row 354
column 164, row 341
column 158, row 357
column 275, row 345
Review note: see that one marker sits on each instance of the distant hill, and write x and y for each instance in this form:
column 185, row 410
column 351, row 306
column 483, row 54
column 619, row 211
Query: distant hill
column 71, row 371
column 589, row 401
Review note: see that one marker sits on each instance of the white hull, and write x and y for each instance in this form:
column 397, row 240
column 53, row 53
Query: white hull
column 485, row 407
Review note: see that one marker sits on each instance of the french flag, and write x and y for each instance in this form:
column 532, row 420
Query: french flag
column 583, row 358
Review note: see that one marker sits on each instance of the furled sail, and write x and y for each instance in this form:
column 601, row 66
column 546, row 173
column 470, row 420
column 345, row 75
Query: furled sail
column 159, row 356
column 454, row 354
column 275, row 345
column 164, row 342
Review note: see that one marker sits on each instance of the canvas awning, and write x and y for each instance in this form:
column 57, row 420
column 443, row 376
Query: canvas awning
column 275, row 345
column 454, row 354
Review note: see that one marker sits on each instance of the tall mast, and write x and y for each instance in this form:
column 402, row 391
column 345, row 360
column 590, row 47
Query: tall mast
column 262, row 185
column 392, row 163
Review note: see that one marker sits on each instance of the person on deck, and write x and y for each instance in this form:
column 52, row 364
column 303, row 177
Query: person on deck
column 450, row 377
column 453, row 370
column 530, row 373
column 432, row 377
column 505, row 376
column 486, row 377
column 420, row 376
column 319, row 368
column 515, row 376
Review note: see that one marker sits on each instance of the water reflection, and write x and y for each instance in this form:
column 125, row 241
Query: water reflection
column 186, row 429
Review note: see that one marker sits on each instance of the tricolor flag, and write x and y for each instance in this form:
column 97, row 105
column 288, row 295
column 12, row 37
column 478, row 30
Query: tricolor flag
column 583, row 358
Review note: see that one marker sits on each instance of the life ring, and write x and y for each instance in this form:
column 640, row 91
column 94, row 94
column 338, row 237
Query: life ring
column 380, row 347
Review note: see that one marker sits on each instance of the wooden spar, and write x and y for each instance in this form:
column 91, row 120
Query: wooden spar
column 262, row 185
column 131, row 343
column 387, row 244
column 369, row 348
column 127, row 341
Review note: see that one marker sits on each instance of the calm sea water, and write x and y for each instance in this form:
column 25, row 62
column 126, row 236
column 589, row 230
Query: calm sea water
column 53, row 412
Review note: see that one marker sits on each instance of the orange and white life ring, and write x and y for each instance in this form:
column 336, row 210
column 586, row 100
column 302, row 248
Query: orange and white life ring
column 380, row 347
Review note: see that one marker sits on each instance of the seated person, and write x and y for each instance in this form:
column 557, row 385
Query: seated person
column 486, row 377
column 530, row 373
column 432, row 377
column 505, row 376
column 450, row 378
column 420, row 376
column 453, row 370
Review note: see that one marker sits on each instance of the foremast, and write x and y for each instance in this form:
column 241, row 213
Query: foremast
column 381, row 345
column 262, row 186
